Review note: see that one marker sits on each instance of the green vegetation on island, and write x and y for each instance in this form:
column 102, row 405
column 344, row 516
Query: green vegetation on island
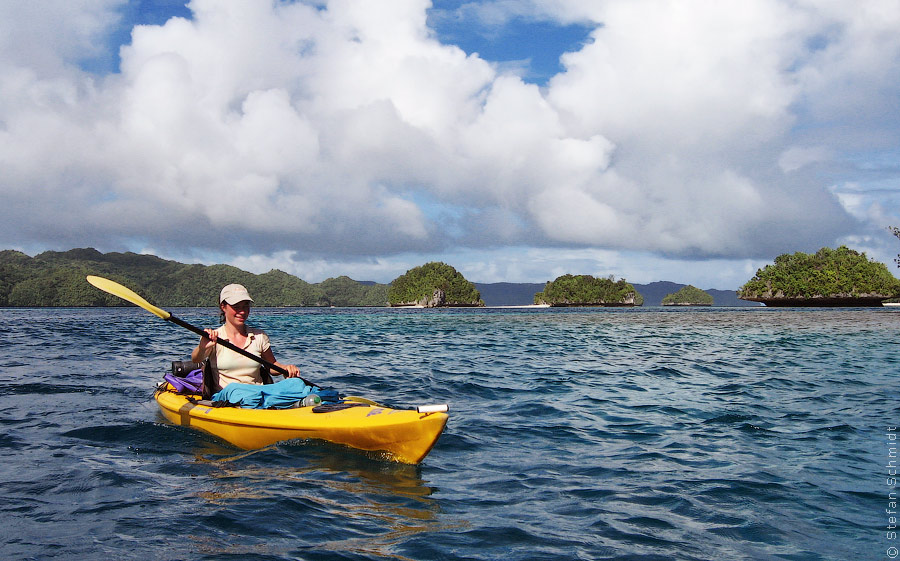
column 58, row 279
column 688, row 296
column 585, row 290
column 829, row 277
column 344, row 291
column 433, row 285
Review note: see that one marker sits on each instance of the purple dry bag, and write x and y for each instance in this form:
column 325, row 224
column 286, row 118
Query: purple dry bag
column 192, row 383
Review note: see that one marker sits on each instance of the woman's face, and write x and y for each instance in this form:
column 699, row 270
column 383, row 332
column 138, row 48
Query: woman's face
column 236, row 314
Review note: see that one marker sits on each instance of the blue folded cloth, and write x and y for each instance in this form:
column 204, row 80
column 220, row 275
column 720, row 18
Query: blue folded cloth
column 279, row 395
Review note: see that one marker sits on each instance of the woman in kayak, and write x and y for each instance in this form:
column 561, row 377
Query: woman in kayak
column 234, row 301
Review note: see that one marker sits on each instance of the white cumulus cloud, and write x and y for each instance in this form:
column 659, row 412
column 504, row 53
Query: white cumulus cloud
column 346, row 128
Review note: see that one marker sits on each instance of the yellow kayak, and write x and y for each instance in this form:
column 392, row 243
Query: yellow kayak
column 402, row 435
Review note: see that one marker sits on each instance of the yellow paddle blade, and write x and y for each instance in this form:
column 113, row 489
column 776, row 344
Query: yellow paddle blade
column 357, row 399
column 124, row 293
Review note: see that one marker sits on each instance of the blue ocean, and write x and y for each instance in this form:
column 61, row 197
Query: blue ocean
column 638, row 434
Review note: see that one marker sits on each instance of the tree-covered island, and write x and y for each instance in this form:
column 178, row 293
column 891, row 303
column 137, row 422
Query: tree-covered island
column 829, row 277
column 586, row 290
column 433, row 285
column 688, row 296
column 58, row 279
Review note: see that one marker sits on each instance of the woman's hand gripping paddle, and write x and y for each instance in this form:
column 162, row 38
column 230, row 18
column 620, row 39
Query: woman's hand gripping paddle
column 125, row 293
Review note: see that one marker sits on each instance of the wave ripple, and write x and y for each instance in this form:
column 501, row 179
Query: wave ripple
column 586, row 434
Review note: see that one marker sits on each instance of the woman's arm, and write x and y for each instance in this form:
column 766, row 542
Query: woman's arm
column 206, row 346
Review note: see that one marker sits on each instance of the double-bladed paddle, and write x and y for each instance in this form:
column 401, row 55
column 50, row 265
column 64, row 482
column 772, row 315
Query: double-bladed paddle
column 125, row 293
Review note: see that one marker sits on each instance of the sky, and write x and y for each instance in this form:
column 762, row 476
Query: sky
column 516, row 140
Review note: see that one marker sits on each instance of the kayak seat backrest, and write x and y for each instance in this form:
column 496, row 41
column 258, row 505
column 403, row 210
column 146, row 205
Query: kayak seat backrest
column 210, row 381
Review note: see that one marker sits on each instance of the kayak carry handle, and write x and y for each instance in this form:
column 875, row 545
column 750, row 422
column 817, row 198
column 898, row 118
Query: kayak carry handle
column 442, row 408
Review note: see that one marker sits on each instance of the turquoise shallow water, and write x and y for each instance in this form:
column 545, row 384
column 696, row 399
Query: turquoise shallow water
column 603, row 434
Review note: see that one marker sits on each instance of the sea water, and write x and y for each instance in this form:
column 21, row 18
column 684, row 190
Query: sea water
column 647, row 433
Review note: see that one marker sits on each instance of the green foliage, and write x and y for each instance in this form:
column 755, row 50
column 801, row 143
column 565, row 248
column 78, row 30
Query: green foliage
column 13, row 270
column 688, row 295
column 277, row 288
column 348, row 292
column 585, row 290
column 58, row 279
column 840, row 272
column 420, row 283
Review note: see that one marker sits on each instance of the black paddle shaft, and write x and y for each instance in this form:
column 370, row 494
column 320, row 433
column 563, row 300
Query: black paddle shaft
column 228, row 345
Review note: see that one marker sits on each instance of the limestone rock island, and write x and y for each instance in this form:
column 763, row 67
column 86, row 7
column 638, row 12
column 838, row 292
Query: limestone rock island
column 585, row 290
column 433, row 285
column 829, row 277
column 688, row 296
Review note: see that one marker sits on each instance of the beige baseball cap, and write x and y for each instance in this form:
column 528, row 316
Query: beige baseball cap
column 234, row 293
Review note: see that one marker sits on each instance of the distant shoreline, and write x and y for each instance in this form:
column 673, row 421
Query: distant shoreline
column 522, row 306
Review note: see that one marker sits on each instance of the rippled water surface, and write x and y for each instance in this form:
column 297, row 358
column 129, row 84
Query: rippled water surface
column 602, row 434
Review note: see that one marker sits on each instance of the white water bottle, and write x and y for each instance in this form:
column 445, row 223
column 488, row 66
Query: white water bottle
column 310, row 400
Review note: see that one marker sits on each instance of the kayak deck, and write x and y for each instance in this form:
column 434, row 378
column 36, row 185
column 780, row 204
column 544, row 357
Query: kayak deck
column 403, row 435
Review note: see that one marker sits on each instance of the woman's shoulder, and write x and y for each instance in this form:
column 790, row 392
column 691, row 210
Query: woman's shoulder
column 259, row 337
column 257, row 333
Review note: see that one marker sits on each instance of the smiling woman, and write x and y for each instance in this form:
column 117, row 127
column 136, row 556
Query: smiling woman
column 229, row 366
